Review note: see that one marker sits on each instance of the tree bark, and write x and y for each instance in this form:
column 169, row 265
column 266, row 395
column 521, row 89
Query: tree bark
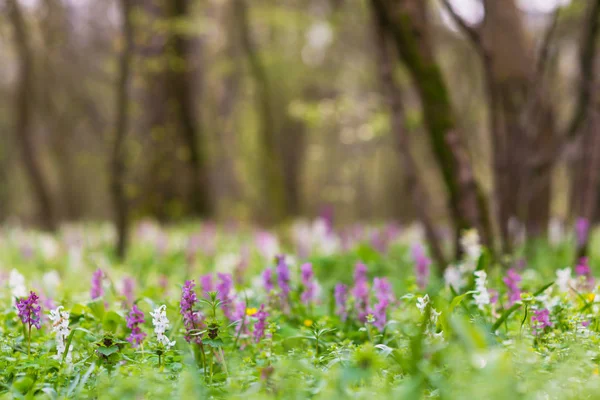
column 182, row 91
column 392, row 95
column 24, row 100
column 117, row 164
column 408, row 24
column 271, row 158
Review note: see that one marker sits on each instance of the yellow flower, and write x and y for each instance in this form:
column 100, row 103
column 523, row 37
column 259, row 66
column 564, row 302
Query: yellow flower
column 596, row 371
column 591, row 297
column 308, row 323
column 251, row 311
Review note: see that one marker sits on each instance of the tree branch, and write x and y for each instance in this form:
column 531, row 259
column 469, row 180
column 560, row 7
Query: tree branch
column 472, row 33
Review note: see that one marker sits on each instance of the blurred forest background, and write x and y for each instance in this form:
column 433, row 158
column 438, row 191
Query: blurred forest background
column 472, row 113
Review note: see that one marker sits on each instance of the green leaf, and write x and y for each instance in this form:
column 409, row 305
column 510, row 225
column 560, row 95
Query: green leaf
column 458, row 299
column 107, row 351
column 505, row 315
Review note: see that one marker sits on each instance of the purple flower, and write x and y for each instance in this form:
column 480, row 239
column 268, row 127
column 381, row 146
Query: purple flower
column 327, row 216
column 224, row 287
column 341, row 297
column 422, row 263
column 540, row 320
column 191, row 318
column 29, row 310
column 582, row 227
column 383, row 290
column 283, row 279
column 97, row 290
column 308, row 281
column 239, row 314
column 360, row 291
column 206, row 283
column 128, row 288
column 512, row 280
column 379, row 313
column 267, row 277
column 134, row 320
column 261, row 323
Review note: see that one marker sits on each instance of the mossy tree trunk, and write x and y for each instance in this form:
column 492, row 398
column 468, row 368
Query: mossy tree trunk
column 407, row 22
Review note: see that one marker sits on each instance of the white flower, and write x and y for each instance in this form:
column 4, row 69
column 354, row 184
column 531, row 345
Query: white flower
column 434, row 315
column 422, row 303
column 161, row 324
column 16, row 284
column 60, row 326
column 470, row 244
column 453, row 277
column 563, row 279
column 482, row 297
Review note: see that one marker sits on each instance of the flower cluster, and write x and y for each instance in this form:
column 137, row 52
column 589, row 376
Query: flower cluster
column 224, row 293
column 161, row 324
column 309, row 284
column 512, row 280
column 261, row 323
column 60, row 326
column 482, row 296
column 422, row 263
column 540, row 321
column 97, row 290
column 134, row 320
column 186, row 309
column 360, row 291
column 29, row 310
column 283, row 280
column 341, row 297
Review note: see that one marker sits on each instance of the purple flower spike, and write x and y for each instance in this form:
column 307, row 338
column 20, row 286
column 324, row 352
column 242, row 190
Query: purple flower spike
column 341, row 297
column 267, row 277
column 360, row 291
column 29, row 310
column 379, row 313
column 283, row 280
column 308, row 281
column 97, row 290
column 582, row 227
column 191, row 318
column 134, row 320
column 261, row 323
column 512, row 280
column 224, row 287
column 422, row 263
column 540, row 321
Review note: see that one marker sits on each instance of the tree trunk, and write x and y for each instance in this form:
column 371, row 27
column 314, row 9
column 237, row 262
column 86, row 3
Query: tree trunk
column 408, row 24
column 270, row 158
column 392, row 95
column 117, row 165
column 585, row 185
column 182, row 91
column 24, row 100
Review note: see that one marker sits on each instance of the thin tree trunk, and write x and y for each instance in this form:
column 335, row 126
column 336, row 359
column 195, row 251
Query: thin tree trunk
column 117, row 165
column 414, row 185
column 271, row 157
column 24, row 100
column 587, row 175
column 182, row 90
column 408, row 24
